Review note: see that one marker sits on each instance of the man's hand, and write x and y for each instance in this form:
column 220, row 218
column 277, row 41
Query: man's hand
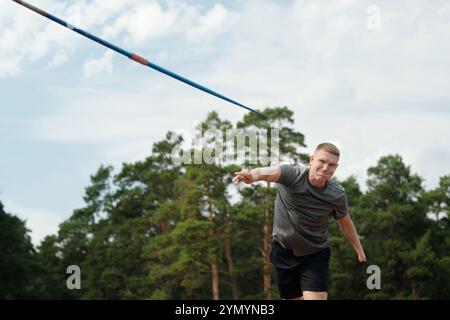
column 362, row 257
column 244, row 175
column 349, row 230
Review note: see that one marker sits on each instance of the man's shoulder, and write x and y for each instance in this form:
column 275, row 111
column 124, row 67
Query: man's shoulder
column 298, row 168
column 336, row 188
column 292, row 174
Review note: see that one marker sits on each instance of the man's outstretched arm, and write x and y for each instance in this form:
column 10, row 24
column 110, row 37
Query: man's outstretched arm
column 268, row 174
column 349, row 230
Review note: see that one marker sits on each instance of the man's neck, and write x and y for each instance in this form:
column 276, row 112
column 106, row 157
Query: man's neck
column 316, row 183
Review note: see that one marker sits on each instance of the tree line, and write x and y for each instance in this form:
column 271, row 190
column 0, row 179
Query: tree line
column 161, row 230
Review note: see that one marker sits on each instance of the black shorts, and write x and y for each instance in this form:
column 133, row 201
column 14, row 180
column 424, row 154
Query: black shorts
column 298, row 274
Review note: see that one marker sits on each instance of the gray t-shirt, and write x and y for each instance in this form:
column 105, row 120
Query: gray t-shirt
column 302, row 211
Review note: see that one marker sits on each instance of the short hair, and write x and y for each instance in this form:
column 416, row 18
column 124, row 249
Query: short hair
column 329, row 147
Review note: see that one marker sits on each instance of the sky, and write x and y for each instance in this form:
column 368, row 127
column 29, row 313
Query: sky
column 370, row 76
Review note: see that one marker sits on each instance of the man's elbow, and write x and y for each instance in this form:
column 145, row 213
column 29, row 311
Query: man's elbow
column 270, row 174
column 346, row 221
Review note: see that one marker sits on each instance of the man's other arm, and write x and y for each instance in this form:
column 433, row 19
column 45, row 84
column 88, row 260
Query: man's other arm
column 268, row 174
column 349, row 230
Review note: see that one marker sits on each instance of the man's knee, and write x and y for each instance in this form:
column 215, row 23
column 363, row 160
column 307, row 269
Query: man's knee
column 314, row 295
column 296, row 298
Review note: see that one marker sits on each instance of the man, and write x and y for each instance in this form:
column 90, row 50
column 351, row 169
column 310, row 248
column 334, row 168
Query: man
column 306, row 198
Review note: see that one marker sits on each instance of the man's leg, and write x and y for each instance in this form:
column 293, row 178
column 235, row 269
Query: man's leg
column 315, row 275
column 298, row 298
column 315, row 295
column 288, row 282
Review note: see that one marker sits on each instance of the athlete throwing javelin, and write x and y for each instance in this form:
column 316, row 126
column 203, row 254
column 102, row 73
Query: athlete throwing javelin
column 306, row 198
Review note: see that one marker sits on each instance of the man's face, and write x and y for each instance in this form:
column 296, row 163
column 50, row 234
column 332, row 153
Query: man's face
column 323, row 165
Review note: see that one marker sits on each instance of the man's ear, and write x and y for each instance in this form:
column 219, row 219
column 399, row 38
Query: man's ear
column 311, row 158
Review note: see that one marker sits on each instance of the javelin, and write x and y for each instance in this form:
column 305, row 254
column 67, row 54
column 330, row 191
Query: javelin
column 132, row 56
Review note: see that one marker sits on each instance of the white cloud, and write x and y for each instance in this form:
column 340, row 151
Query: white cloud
column 209, row 24
column 374, row 92
column 149, row 20
column 144, row 22
column 363, row 139
column 28, row 37
column 99, row 66
column 58, row 59
column 89, row 14
column 126, row 121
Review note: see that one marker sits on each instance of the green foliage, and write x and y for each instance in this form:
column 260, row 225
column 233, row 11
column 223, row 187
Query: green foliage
column 282, row 119
column 16, row 257
column 159, row 230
